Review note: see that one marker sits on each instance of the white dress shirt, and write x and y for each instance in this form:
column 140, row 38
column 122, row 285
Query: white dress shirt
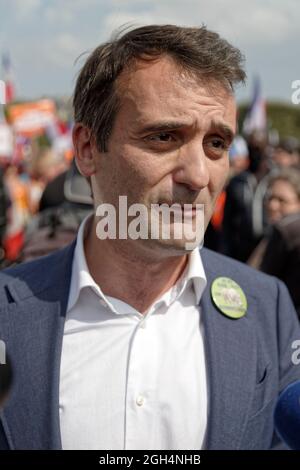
column 133, row 381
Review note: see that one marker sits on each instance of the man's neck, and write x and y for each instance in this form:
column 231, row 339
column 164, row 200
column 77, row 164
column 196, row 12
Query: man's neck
column 136, row 280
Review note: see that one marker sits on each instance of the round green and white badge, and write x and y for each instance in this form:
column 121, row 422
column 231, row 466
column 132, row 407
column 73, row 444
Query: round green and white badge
column 228, row 297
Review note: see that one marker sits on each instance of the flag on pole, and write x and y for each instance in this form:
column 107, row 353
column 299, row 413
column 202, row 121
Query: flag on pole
column 8, row 78
column 256, row 117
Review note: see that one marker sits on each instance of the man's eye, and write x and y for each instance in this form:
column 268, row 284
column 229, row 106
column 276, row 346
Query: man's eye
column 219, row 144
column 161, row 137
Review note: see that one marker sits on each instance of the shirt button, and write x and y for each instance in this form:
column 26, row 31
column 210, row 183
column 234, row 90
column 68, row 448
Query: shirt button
column 102, row 302
column 140, row 400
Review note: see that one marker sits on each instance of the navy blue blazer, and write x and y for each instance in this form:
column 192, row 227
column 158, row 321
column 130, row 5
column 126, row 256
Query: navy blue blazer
column 249, row 361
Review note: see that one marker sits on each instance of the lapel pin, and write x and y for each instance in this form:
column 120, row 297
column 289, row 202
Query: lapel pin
column 229, row 297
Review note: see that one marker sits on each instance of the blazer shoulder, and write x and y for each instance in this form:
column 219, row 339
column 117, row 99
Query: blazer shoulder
column 39, row 274
column 216, row 265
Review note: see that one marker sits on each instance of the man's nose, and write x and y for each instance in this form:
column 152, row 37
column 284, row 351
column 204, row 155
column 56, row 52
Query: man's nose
column 192, row 169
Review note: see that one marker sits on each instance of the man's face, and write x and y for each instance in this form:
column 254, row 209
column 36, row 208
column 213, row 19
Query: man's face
column 285, row 159
column 168, row 144
column 282, row 200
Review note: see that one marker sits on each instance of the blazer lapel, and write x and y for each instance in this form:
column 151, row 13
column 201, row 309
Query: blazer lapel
column 32, row 327
column 231, row 368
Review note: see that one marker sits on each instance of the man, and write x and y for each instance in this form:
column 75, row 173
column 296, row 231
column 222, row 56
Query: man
column 135, row 342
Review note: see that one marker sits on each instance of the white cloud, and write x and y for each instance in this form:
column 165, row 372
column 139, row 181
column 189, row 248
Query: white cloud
column 114, row 21
column 250, row 22
column 68, row 11
column 45, row 35
column 64, row 49
column 24, row 9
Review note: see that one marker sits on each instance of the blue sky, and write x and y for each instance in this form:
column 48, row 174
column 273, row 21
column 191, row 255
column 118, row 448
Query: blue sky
column 44, row 37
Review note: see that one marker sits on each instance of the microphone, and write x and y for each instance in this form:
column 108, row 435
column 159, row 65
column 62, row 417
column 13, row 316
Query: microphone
column 6, row 377
column 287, row 416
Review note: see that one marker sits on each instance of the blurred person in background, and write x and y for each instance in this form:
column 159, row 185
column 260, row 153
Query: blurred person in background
column 244, row 219
column 25, row 182
column 65, row 202
column 238, row 156
column 46, row 164
column 281, row 256
column 4, row 207
column 286, row 153
column 18, row 213
column 238, row 161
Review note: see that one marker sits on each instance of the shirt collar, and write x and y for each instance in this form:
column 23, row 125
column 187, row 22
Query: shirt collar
column 195, row 273
column 81, row 278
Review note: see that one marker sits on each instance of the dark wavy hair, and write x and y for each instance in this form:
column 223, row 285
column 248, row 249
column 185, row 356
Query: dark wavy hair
column 197, row 50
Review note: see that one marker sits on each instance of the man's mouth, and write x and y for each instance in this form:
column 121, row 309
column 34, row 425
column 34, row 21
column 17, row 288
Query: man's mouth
column 187, row 209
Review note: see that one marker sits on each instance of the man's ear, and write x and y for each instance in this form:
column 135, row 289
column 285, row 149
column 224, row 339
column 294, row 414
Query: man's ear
column 84, row 147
